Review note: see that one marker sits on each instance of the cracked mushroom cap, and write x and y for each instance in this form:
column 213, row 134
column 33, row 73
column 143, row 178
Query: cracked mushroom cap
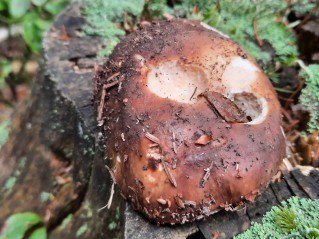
column 191, row 123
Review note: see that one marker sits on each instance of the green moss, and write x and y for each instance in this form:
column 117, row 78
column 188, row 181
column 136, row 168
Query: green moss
column 45, row 196
column 22, row 162
column 268, row 17
column 297, row 218
column 237, row 19
column 66, row 222
column 68, row 152
column 301, row 7
column 11, row 181
column 117, row 213
column 112, row 226
column 83, row 229
column 9, row 184
column 102, row 17
column 310, row 95
column 285, row 218
column 4, row 132
column 88, row 210
column 279, row 37
column 155, row 9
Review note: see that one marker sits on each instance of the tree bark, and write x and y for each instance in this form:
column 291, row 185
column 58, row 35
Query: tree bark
column 53, row 163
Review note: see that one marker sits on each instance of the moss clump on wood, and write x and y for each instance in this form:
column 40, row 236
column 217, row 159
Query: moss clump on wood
column 310, row 95
column 82, row 230
column 11, row 181
column 4, row 132
column 251, row 23
column 105, row 18
column 297, row 218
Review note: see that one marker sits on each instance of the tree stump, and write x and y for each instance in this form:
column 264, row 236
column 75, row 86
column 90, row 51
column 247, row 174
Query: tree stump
column 53, row 162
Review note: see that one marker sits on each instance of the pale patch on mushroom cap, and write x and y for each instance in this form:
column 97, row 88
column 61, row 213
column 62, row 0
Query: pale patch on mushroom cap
column 239, row 75
column 184, row 83
column 177, row 82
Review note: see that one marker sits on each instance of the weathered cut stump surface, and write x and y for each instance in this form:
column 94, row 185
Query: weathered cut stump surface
column 53, row 163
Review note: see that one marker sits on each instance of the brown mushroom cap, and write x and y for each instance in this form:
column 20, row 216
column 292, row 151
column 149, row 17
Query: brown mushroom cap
column 191, row 123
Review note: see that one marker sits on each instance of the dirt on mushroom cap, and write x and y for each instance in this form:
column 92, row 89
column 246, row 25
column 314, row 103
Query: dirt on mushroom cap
column 155, row 105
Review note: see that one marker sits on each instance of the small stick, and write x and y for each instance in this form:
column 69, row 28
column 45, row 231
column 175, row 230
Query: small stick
column 174, row 144
column 111, row 173
column 102, row 101
column 112, row 76
column 100, row 109
column 105, row 87
column 151, row 137
column 168, row 173
column 109, row 202
column 119, row 88
column 193, row 94
column 206, row 176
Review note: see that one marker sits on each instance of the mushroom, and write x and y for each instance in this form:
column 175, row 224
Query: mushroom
column 191, row 123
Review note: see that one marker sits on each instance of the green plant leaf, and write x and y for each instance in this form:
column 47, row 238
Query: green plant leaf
column 32, row 34
column 3, row 5
column 40, row 233
column 42, row 24
column 17, row 224
column 5, row 70
column 38, row 2
column 17, row 8
column 55, row 6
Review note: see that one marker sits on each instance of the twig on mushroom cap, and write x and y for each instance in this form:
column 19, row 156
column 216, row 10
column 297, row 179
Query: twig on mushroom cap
column 105, row 87
column 112, row 77
column 168, row 172
column 193, row 93
column 152, row 138
column 206, row 176
column 174, row 144
column 100, row 108
column 179, row 202
column 102, row 101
